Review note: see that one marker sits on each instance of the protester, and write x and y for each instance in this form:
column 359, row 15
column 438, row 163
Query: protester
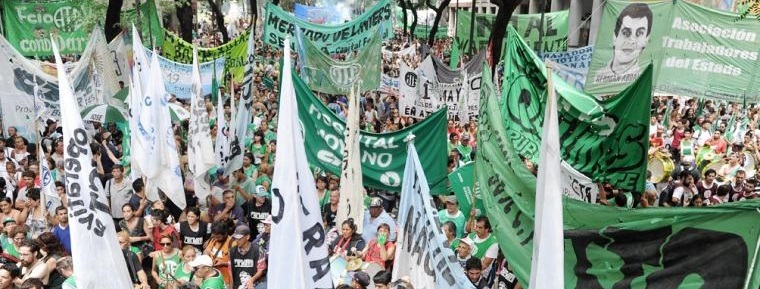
column 66, row 267
column 373, row 217
column 8, row 275
column 210, row 277
column 349, row 242
column 193, row 231
column 474, row 270
column 165, row 261
column 31, row 266
column 452, row 213
column 380, row 250
column 218, row 248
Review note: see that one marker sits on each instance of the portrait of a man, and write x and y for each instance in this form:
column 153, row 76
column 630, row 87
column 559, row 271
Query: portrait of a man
column 630, row 38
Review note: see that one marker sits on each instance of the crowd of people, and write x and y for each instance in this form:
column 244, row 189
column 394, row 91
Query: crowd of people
column 223, row 241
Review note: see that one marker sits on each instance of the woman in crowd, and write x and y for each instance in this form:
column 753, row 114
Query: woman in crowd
column 137, row 228
column 349, row 243
column 165, row 262
column 19, row 152
column 218, row 248
column 161, row 228
column 323, row 195
column 51, row 250
column 34, row 214
column 380, row 250
column 184, row 270
column 193, row 231
column 8, row 211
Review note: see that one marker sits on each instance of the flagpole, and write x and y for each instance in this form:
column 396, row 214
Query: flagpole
column 473, row 5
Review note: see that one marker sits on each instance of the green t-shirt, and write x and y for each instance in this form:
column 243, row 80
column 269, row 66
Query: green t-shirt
column 269, row 136
column 166, row 267
column 458, row 220
column 10, row 250
column 480, row 248
column 215, row 282
column 261, row 179
column 69, row 283
column 250, row 170
column 180, row 274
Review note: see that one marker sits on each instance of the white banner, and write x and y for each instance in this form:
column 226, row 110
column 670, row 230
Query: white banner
column 299, row 260
column 178, row 77
column 389, row 84
column 421, row 252
column 411, row 50
column 244, row 112
column 578, row 186
column 95, row 251
column 199, row 137
column 432, row 86
column 572, row 66
column 351, row 190
column 91, row 78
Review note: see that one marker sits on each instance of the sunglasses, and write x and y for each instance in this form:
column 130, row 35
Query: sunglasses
column 166, row 244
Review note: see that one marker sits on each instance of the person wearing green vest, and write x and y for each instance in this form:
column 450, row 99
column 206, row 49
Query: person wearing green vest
column 210, row 276
column 464, row 148
column 486, row 249
column 687, row 145
column 184, row 272
column 66, row 267
column 452, row 213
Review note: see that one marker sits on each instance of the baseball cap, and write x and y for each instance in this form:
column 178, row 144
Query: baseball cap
column 268, row 220
column 362, row 278
column 452, row 199
column 8, row 220
column 467, row 241
column 201, row 260
column 261, row 191
column 376, row 202
column 465, row 136
column 241, row 231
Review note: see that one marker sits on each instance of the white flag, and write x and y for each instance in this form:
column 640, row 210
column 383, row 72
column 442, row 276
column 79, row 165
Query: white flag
column 548, row 266
column 97, row 257
column 421, row 251
column 49, row 196
column 169, row 177
column 299, row 260
column 145, row 113
column 351, row 189
column 199, row 142
column 222, row 150
column 244, row 112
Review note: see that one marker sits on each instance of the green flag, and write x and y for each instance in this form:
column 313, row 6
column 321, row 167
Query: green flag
column 383, row 155
column 454, row 62
column 466, row 190
column 606, row 140
column 608, row 247
column 235, row 53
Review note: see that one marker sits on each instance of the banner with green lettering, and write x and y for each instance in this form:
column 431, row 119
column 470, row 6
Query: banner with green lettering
column 462, row 182
column 234, row 52
column 555, row 30
column 696, row 51
column 346, row 37
column 609, row 247
column 383, row 156
column 28, row 25
column 606, row 140
column 327, row 75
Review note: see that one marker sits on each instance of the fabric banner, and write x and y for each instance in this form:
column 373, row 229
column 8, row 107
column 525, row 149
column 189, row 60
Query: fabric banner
column 434, row 85
column 352, row 191
column 244, row 112
column 27, row 24
column 696, row 51
column 646, row 248
column 382, row 155
column 317, row 15
column 572, row 66
column 327, row 75
column 144, row 114
column 235, row 52
column 92, row 77
column 607, row 140
column 463, row 185
column 389, row 84
column 299, row 260
column 199, row 134
column 411, row 50
column 421, row 250
column 555, row 30
column 178, row 77
column 93, row 237
column 343, row 38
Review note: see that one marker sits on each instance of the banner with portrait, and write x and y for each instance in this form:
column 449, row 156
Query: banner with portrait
column 696, row 51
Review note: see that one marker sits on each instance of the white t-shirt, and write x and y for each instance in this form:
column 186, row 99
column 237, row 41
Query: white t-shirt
column 684, row 195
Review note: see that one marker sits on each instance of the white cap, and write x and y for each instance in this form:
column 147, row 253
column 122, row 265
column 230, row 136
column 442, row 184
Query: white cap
column 467, row 241
column 201, row 260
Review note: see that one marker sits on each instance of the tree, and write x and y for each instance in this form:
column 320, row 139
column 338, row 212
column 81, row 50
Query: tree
column 113, row 17
column 751, row 7
column 185, row 15
column 495, row 41
column 403, row 6
column 438, row 14
column 219, row 17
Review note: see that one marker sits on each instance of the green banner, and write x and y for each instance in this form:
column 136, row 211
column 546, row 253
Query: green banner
column 462, row 182
column 608, row 247
column 696, row 51
column 606, row 140
column 383, row 156
column 28, row 25
column 555, row 30
column 235, row 53
column 346, row 37
column 327, row 75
